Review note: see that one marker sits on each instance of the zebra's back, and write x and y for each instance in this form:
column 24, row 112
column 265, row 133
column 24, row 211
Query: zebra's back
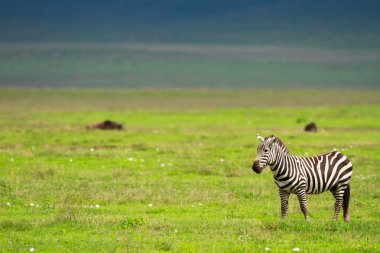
column 314, row 174
column 326, row 171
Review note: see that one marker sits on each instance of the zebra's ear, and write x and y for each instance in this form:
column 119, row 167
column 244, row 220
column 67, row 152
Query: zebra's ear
column 260, row 138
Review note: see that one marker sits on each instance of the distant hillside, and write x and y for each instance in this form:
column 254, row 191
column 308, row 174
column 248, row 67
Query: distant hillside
column 327, row 23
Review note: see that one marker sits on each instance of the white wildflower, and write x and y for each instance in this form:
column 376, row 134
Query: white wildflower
column 222, row 160
column 92, row 149
column 130, row 159
column 97, row 206
column 267, row 248
column 8, row 204
column 31, row 204
column 150, row 205
column 175, row 230
column 162, row 165
column 296, row 249
column 32, row 249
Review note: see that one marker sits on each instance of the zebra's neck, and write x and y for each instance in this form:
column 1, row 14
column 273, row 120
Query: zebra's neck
column 280, row 158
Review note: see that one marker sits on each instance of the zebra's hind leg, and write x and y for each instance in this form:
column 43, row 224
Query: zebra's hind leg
column 302, row 199
column 346, row 201
column 284, row 196
column 338, row 194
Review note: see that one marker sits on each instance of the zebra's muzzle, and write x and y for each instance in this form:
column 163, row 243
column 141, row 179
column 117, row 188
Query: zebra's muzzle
column 256, row 167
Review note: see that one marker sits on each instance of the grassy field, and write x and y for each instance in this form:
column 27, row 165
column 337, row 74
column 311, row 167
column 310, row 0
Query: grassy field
column 179, row 177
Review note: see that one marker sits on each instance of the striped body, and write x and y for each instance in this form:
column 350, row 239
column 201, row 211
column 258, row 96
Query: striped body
column 305, row 175
column 315, row 174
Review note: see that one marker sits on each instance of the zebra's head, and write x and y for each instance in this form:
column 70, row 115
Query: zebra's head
column 265, row 154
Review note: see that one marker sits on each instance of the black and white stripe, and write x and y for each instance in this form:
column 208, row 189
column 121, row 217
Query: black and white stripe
column 305, row 175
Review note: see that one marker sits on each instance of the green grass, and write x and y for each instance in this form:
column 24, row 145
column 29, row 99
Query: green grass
column 161, row 184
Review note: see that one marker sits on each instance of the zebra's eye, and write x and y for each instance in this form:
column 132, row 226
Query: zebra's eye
column 266, row 150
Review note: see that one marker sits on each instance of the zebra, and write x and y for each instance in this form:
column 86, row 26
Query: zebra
column 305, row 175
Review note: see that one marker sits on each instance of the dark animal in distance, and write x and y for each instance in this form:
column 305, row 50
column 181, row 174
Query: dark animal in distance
column 106, row 125
column 311, row 127
column 305, row 175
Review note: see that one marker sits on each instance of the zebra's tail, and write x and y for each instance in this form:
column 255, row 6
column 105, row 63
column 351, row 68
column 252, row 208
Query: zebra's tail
column 346, row 202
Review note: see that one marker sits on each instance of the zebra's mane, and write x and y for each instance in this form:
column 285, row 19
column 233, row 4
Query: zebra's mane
column 277, row 140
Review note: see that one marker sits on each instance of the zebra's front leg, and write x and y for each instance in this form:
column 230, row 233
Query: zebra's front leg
column 302, row 199
column 284, row 196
